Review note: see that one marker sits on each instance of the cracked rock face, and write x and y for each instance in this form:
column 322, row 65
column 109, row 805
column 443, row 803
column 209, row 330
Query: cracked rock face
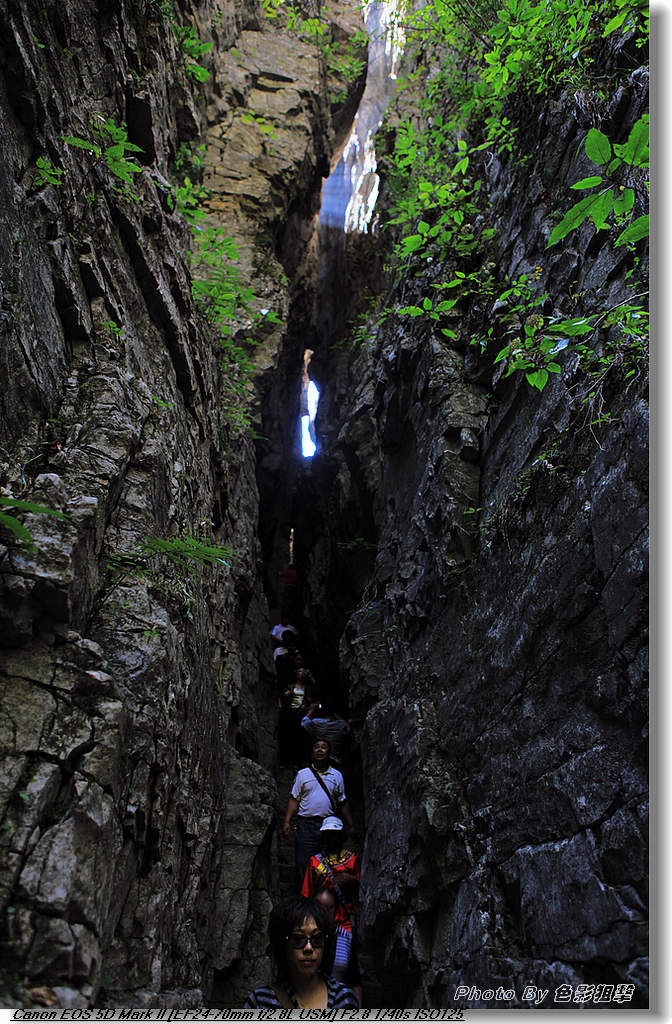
column 496, row 664
column 497, row 661
column 137, row 716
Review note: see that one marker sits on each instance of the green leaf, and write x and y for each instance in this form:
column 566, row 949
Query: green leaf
column 120, row 169
column 30, row 506
column 602, row 208
column 461, row 166
column 538, row 379
column 588, row 182
column 574, row 216
column 615, row 22
column 598, row 147
column 638, row 229
column 625, row 202
column 412, row 243
column 553, row 368
column 73, row 140
column 636, row 149
column 411, row 311
column 198, row 72
column 18, row 529
column 186, row 550
column 427, row 303
column 423, row 227
column 571, row 328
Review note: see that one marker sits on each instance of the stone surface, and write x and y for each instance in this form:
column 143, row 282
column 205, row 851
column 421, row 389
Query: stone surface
column 496, row 657
column 478, row 550
column 138, row 711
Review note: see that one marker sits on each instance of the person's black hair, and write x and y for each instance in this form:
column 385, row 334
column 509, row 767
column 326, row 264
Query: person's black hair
column 289, row 914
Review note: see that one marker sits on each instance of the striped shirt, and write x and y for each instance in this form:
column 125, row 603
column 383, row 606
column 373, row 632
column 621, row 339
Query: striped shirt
column 339, row 997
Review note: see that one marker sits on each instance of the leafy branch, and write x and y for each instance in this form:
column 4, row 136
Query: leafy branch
column 221, row 295
column 15, row 527
column 46, row 174
column 613, row 195
column 534, row 350
column 185, row 554
column 109, row 146
column 193, row 49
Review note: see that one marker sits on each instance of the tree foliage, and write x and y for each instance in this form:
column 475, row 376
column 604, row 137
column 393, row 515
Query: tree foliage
column 476, row 63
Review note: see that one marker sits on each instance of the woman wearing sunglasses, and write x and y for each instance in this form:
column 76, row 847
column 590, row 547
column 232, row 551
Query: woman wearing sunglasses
column 303, row 939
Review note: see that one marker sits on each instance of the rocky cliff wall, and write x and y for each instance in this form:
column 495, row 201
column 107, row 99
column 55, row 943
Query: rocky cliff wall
column 496, row 664
column 137, row 717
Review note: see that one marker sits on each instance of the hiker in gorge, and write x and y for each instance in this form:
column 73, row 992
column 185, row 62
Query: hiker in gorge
column 321, row 722
column 299, row 692
column 302, row 937
column 285, row 648
column 306, row 681
column 284, row 630
column 317, row 792
column 335, row 871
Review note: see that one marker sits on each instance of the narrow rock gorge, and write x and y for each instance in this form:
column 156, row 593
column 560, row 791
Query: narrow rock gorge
column 470, row 535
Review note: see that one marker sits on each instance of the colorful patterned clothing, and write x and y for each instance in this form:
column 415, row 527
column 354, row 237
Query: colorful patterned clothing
column 316, row 878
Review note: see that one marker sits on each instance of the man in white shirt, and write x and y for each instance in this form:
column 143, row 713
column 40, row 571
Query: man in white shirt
column 309, row 800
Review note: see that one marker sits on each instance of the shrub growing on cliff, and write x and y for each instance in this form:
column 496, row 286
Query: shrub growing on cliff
column 224, row 299
column 487, row 53
column 193, row 49
column 186, row 552
column 46, row 174
column 109, row 146
column 165, row 563
column 189, row 43
column 614, row 191
column 345, row 58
